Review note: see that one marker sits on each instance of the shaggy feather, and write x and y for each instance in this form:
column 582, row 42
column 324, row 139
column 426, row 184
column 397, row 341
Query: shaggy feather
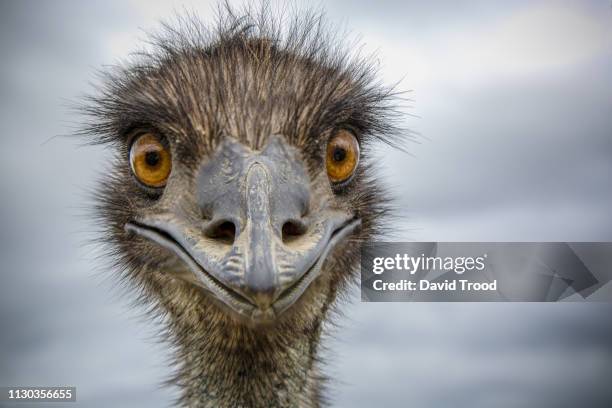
column 251, row 75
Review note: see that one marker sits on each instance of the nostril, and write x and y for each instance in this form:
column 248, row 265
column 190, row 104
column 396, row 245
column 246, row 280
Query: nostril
column 292, row 230
column 223, row 231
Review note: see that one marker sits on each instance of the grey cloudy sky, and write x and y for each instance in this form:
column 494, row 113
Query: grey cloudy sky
column 514, row 102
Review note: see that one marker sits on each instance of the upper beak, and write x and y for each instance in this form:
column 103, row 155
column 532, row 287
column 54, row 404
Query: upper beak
column 261, row 243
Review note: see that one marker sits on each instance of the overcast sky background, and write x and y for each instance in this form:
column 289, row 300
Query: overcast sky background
column 514, row 100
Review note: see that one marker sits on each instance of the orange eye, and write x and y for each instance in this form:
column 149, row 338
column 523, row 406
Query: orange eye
column 150, row 160
column 342, row 156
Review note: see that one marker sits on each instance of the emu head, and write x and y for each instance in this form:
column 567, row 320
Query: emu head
column 241, row 189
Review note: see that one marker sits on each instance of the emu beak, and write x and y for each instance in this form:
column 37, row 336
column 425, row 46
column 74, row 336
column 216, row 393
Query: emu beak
column 260, row 244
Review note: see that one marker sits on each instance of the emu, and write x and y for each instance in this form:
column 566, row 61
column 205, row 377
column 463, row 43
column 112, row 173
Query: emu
column 240, row 194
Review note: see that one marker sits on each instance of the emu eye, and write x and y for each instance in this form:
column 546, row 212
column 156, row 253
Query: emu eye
column 342, row 156
column 150, row 160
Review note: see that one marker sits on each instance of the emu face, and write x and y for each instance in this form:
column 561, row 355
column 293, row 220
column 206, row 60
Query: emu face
column 251, row 225
column 240, row 186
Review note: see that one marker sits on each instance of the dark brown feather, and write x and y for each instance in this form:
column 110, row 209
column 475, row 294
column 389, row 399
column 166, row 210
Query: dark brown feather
column 252, row 75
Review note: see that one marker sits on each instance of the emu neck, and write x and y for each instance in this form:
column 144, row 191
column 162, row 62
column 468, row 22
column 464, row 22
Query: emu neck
column 238, row 367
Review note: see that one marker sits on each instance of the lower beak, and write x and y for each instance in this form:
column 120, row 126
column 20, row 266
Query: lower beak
column 226, row 279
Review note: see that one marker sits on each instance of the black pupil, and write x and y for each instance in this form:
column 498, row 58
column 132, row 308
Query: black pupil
column 152, row 158
column 339, row 154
